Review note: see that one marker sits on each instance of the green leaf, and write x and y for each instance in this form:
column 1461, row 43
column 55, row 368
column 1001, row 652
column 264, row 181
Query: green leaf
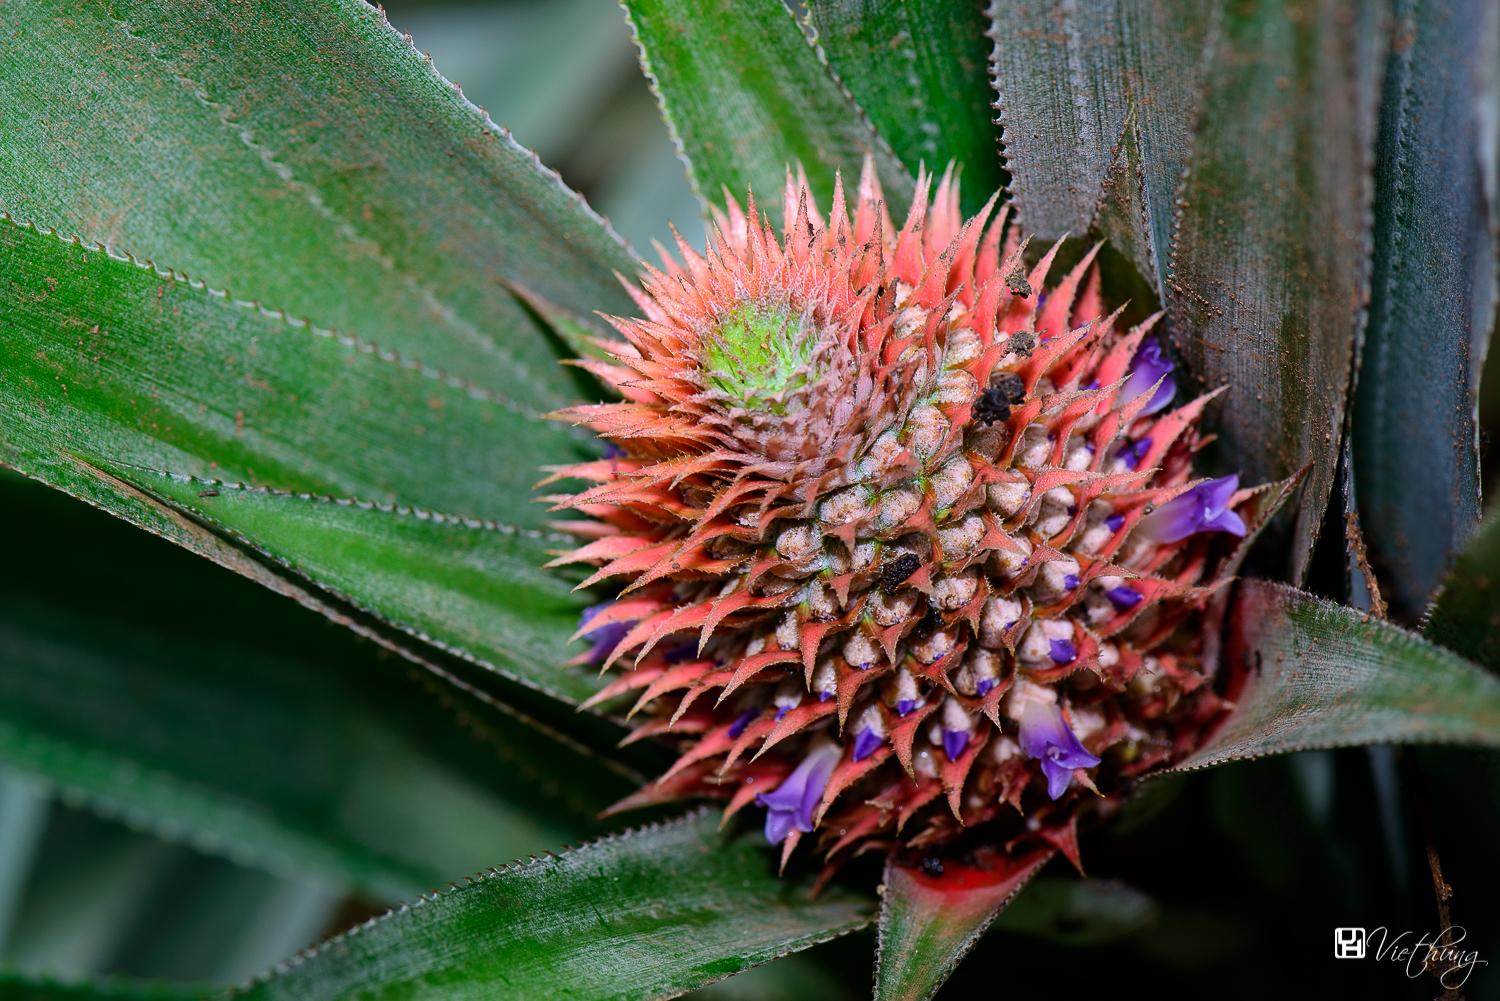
column 647, row 914
column 1306, row 674
column 305, row 156
column 471, row 588
column 1432, row 302
column 1078, row 912
column 106, row 357
column 1227, row 153
column 1466, row 615
column 920, row 70
column 929, row 922
column 1097, row 102
column 17, row 987
column 1268, row 264
column 199, row 705
column 746, row 96
column 107, row 365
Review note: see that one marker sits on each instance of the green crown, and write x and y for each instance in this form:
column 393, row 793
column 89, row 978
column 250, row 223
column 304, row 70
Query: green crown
column 757, row 353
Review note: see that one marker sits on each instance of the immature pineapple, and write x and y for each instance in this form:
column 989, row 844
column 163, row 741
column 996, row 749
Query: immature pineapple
column 895, row 524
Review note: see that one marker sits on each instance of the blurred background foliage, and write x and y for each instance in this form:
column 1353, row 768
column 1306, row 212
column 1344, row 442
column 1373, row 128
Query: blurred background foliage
column 1233, row 877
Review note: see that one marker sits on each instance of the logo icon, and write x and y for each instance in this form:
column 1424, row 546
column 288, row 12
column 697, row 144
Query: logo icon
column 1348, row 943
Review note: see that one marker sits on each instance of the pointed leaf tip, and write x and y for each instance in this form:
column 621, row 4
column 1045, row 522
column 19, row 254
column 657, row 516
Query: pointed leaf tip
column 931, row 916
column 1304, row 673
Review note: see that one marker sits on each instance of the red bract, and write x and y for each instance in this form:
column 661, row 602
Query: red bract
column 881, row 488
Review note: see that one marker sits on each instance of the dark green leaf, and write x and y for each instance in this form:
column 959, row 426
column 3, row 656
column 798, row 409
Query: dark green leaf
column 928, row 922
column 920, row 70
column 15, row 987
column 1432, row 300
column 152, row 378
column 1307, row 673
column 105, row 357
column 1463, row 784
column 1097, row 102
column 1228, row 154
column 647, row 914
column 472, row 588
column 305, row 156
column 1466, row 615
column 269, row 762
column 203, row 707
column 1077, row 912
column 746, row 96
column 1267, row 272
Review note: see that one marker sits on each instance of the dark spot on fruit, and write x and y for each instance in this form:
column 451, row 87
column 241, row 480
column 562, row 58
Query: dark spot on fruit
column 894, row 573
column 1006, row 389
column 1017, row 283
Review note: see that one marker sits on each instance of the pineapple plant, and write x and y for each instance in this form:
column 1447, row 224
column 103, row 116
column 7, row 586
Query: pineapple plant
column 1063, row 401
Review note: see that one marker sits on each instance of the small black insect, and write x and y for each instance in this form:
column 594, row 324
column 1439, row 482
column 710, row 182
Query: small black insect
column 1006, row 390
column 208, row 493
column 894, row 573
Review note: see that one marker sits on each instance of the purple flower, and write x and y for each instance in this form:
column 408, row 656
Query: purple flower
column 1133, row 453
column 1070, row 581
column 1114, row 521
column 607, row 636
column 738, row 726
column 793, row 802
column 904, row 706
column 824, row 696
column 982, row 688
column 865, row 743
column 1148, row 367
column 1045, row 735
column 613, row 451
column 954, row 742
column 1062, row 651
column 1204, row 508
column 1123, row 598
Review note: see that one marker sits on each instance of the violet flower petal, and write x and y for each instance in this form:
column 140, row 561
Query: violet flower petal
column 1204, row 508
column 1133, row 453
column 1123, row 598
column 984, row 686
column 791, row 804
column 1058, row 777
column 1045, row 734
column 1062, row 651
column 1070, row 581
column 1114, row 521
column 954, row 742
column 904, row 706
column 606, row 637
column 746, row 718
column 778, row 825
column 1145, row 370
column 865, row 743
column 1226, row 521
